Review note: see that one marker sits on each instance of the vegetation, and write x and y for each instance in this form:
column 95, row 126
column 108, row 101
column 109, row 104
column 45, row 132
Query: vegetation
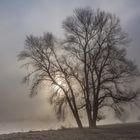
column 88, row 69
column 106, row 132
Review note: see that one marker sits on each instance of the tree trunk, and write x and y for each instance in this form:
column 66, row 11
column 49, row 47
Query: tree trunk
column 95, row 113
column 78, row 121
column 93, row 125
column 89, row 117
column 74, row 112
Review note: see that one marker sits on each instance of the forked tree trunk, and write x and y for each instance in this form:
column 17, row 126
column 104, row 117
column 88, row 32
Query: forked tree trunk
column 89, row 117
column 95, row 113
column 93, row 125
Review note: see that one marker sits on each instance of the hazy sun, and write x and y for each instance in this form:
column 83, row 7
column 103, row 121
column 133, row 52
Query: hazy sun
column 57, row 88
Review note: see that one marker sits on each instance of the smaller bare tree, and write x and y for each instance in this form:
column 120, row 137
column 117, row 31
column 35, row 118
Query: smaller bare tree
column 47, row 64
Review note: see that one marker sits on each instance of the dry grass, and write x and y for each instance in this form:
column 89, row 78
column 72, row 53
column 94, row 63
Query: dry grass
column 107, row 132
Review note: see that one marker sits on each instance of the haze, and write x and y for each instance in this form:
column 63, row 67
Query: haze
column 19, row 18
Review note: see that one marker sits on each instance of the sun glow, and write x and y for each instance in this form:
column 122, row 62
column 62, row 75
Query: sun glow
column 57, row 87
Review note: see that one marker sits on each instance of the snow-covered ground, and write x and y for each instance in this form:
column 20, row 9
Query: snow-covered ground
column 106, row 132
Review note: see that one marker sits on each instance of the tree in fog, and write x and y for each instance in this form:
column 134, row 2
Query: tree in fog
column 47, row 64
column 88, row 69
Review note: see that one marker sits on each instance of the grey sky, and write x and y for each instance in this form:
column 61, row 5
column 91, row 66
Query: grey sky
column 19, row 18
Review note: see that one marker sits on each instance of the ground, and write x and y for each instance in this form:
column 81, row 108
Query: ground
column 107, row 132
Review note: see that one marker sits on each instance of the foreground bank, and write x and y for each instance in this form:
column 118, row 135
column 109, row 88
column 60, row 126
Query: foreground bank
column 107, row 132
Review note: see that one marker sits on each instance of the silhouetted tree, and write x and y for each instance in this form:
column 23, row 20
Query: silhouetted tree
column 89, row 68
column 96, row 41
column 47, row 64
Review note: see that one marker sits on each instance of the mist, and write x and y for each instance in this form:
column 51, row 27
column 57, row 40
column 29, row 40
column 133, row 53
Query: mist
column 19, row 112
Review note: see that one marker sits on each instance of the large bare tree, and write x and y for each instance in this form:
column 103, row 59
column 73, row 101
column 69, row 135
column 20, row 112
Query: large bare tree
column 89, row 69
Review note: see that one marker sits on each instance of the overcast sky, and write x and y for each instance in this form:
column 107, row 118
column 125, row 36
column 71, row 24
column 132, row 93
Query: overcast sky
column 19, row 18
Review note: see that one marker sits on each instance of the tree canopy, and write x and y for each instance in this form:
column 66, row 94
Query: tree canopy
column 88, row 68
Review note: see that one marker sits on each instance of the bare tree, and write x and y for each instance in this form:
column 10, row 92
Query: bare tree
column 97, row 41
column 89, row 70
column 46, row 64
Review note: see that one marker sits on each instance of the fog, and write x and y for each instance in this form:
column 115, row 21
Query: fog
column 19, row 18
